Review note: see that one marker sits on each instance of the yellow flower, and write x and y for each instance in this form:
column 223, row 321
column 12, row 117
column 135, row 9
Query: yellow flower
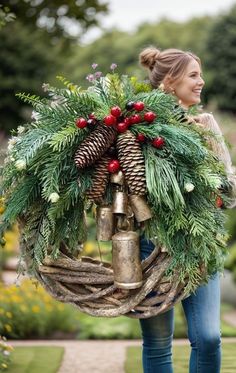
column 23, row 308
column 9, row 348
column 9, row 315
column 35, row 309
column 16, row 299
column 2, row 209
column 4, row 365
column 60, row 307
column 8, row 328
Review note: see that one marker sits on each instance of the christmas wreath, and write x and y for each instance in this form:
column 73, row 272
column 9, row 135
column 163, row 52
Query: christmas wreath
column 131, row 152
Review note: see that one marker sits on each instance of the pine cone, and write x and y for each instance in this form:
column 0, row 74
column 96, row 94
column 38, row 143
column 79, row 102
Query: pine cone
column 99, row 180
column 132, row 162
column 94, row 146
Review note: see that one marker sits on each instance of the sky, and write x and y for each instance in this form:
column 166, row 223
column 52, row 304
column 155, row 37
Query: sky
column 126, row 15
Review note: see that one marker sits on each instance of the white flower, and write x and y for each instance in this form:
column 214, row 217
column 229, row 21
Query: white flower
column 11, row 142
column 45, row 87
column 54, row 197
column 35, row 115
column 6, row 353
column 20, row 129
column 189, row 187
column 20, row 164
column 10, row 147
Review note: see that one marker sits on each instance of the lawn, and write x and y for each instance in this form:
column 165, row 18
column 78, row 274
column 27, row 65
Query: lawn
column 36, row 359
column 180, row 358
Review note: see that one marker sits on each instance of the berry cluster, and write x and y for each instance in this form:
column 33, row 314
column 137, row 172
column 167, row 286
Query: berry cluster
column 120, row 121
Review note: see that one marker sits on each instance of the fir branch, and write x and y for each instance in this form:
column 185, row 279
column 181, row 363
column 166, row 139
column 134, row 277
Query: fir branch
column 22, row 196
column 35, row 101
column 68, row 199
column 62, row 139
column 161, row 181
column 31, row 143
column 69, row 85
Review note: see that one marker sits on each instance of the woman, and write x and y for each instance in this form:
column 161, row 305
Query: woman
column 179, row 73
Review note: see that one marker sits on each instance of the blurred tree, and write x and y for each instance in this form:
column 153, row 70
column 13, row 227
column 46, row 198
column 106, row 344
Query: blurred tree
column 36, row 45
column 25, row 64
column 58, row 17
column 5, row 16
column 221, row 60
column 123, row 48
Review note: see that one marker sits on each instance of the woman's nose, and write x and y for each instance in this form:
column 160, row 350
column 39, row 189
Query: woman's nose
column 201, row 82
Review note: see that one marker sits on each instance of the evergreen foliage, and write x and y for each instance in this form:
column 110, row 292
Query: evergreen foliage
column 47, row 193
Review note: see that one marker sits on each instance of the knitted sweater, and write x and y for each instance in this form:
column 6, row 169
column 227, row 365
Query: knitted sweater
column 220, row 149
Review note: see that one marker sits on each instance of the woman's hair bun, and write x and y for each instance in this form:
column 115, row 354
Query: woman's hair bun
column 149, row 56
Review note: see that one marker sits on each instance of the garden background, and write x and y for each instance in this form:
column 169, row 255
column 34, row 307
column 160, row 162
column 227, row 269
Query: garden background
column 40, row 40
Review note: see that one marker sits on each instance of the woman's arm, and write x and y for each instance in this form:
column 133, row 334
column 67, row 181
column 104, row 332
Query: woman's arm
column 219, row 148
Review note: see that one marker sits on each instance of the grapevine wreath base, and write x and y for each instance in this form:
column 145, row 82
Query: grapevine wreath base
column 130, row 153
column 89, row 285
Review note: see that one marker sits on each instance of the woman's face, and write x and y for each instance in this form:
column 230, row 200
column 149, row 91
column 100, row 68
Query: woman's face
column 188, row 89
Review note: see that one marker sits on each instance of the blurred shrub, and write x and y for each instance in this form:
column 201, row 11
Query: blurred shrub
column 231, row 261
column 10, row 243
column 5, row 354
column 28, row 312
column 122, row 327
column 231, row 224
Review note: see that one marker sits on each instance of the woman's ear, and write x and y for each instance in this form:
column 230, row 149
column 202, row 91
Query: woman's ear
column 168, row 84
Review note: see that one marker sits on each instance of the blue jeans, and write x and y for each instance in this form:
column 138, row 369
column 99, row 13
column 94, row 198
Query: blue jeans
column 202, row 311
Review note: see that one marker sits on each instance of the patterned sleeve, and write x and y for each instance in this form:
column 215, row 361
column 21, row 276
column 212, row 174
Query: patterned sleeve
column 220, row 149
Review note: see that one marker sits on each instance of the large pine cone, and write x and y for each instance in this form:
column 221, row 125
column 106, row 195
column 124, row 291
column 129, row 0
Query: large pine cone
column 94, row 146
column 99, row 180
column 132, row 162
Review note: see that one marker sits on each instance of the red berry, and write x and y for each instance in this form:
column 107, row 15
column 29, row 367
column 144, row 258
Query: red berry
column 139, row 106
column 141, row 137
column 122, row 127
column 92, row 116
column 219, row 202
column 109, row 120
column 149, row 116
column 81, row 123
column 113, row 166
column 136, row 118
column 159, row 142
column 127, row 121
column 116, row 111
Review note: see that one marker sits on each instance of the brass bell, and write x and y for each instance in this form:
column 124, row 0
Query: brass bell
column 140, row 207
column 105, row 223
column 120, row 202
column 125, row 222
column 126, row 260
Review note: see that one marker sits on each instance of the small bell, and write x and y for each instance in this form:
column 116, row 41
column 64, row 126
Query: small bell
column 140, row 207
column 120, row 202
column 126, row 260
column 105, row 223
